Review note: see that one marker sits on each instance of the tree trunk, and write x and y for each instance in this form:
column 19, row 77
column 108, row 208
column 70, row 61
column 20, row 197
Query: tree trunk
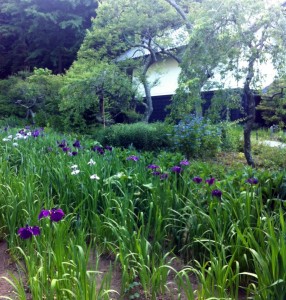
column 247, row 143
column 149, row 102
column 250, row 111
column 31, row 114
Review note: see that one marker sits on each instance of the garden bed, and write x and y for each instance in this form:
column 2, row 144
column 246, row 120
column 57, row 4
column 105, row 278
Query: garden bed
column 96, row 222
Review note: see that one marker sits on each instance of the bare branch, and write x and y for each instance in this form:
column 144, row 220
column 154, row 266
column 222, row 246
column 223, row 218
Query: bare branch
column 181, row 13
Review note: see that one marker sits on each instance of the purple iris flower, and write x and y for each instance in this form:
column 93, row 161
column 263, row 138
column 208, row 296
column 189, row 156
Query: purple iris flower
column 217, row 193
column 36, row 230
column 28, row 231
column 98, row 149
column 210, row 181
column 133, row 157
column 74, row 153
column 62, row 144
column 43, row 214
column 184, row 162
column 176, row 169
column 164, row 176
column 156, row 173
column 55, row 214
column 66, row 149
column 22, row 131
column 76, row 144
column 109, row 148
column 153, row 167
column 197, row 179
column 36, row 133
column 252, row 180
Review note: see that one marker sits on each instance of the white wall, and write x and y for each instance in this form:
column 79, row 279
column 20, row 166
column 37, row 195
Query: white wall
column 163, row 78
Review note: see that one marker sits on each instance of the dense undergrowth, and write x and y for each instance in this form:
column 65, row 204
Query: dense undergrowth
column 227, row 223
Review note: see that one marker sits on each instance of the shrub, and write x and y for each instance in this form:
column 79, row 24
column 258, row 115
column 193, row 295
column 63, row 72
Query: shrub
column 140, row 135
column 196, row 137
column 13, row 121
column 231, row 135
column 270, row 157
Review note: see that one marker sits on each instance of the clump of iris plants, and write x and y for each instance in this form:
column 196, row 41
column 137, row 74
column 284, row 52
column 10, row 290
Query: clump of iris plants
column 55, row 215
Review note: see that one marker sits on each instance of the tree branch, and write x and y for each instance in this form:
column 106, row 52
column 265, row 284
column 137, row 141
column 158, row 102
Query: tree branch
column 181, row 13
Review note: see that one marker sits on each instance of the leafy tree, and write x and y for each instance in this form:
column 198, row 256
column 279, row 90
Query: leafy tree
column 7, row 105
column 43, row 34
column 95, row 90
column 143, row 27
column 29, row 94
column 231, row 36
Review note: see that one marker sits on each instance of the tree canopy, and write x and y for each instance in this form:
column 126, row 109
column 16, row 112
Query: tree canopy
column 95, row 90
column 42, row 34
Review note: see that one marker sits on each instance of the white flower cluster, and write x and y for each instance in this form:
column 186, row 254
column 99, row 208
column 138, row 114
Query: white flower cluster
column 22, row 135
column 75, row 170
column 18, row 136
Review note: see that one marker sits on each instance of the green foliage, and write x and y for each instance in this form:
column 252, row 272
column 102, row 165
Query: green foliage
column 196, row 137
column 7, row 107
column 232, row 242
column 34, row 93
column 269, row 157
column 42, row 34
column 222, row 102
column 273, row 104
column 131, row 116
column 94, row 93
column 12, row 122
column 231, row 136
column 141, row 136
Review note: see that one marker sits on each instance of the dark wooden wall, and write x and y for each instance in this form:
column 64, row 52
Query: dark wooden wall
column 160, row 111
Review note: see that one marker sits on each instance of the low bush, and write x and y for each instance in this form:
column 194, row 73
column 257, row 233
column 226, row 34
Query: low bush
column 13, row 121
column 231, row 136
column 196, row 137
column 270, row 157
column 141, row 136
